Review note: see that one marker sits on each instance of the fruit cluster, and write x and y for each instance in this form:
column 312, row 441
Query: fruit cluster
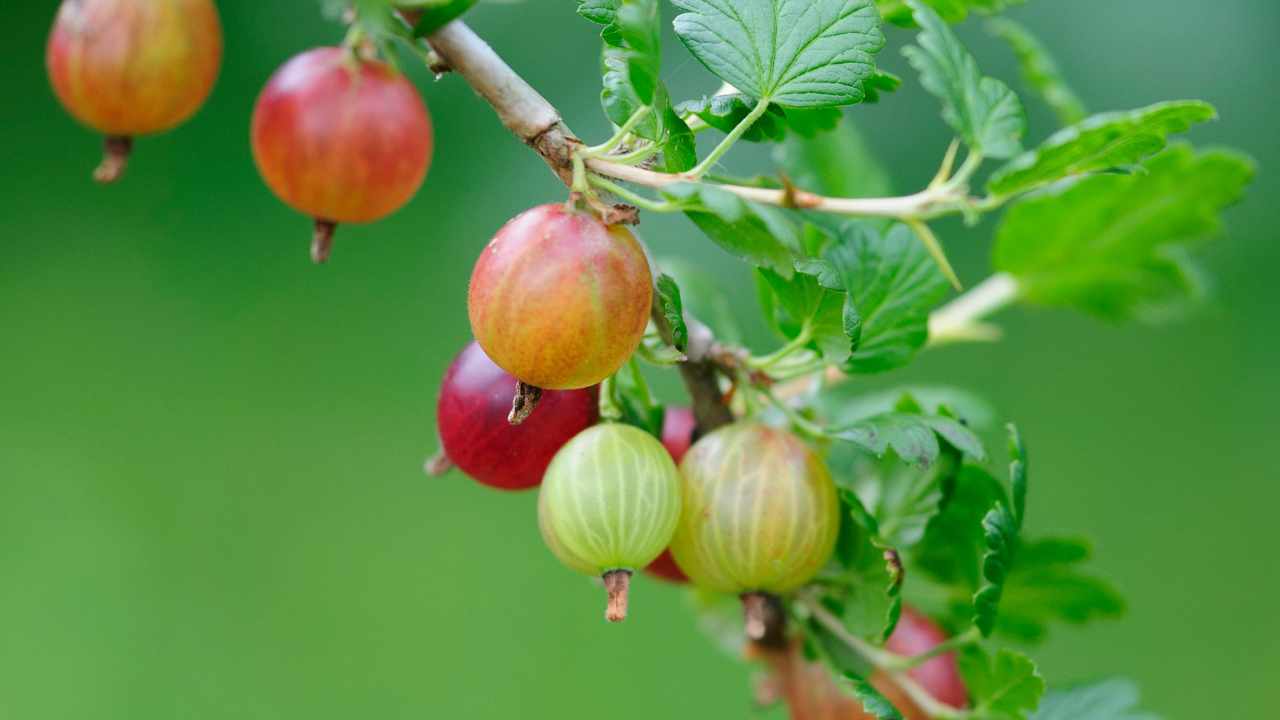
column 559, row 301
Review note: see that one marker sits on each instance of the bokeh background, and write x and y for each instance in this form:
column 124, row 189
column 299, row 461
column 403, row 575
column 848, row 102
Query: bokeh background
column 211, row 503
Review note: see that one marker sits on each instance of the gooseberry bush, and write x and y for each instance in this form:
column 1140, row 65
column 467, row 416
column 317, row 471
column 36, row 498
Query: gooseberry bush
column 878, row 549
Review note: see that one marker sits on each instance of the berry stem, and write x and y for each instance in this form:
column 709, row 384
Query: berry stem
column 617, row 583
column 524, row 403
column 322, row 241
column 764, row 619
column 115, row 157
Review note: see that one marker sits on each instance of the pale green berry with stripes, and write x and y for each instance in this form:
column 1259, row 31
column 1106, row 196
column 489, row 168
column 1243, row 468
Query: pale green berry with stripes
column 609, row 504
column 760, row 514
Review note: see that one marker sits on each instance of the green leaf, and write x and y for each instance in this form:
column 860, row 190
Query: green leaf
column 953, row 11
column 679, row 151
column 795, row 53
column 881, row 82
column 876, row 705
column 435, row 14
column 630, row 64
column 838, row 164
column 1006, row 687
column 984, row 112
column 892, row 286
column 912, row 436
column 725, row 112
column 863, row 587
column 846, row 403
column 603, row 12
column 673, row 310
column 1018, row 473
column 1039, row 70
column 800, row 304
column 1106, row 244
column 1114, row 699
column 1045, row 584
column 901, row 498
column 763, row 236
column 1001, row 535
column 953, row 541
column 703, row 297
column 1109, row 140
column 632, row 397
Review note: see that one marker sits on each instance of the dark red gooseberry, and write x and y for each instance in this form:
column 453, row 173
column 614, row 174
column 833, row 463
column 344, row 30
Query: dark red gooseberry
column 341, row 138
column 133, row 67
column 471, row 415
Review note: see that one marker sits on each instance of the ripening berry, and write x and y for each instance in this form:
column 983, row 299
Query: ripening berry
column 940, row 675
column 559, row 299
column 760, row 511
column 678, row 425
column 471, row 415
column 341, row 138
column 133, row 67
column 608, row 505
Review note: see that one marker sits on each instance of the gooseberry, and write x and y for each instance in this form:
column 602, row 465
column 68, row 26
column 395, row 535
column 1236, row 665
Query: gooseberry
column 133, row 67
column 940, row 675
column 760, row 514
column 342, row 138
column 559, row 299
column 608, row 505
column 471, row 417
column 678, row 425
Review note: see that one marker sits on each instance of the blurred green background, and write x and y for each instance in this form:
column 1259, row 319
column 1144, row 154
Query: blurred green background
column 211, row 502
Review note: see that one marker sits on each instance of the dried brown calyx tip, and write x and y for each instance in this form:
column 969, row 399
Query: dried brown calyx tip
column 437, row 464
column 524, row 403
column 617, row 583
column 322, row 241
column 764, row 618
column 115, row 156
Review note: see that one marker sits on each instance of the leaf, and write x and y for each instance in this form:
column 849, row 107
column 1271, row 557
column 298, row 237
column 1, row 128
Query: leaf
column 1039, row 70
column 876, row 705
column 703, row 297
column 985, row 113
column 630, row 64
column 633, row 399
column 904, row 498
column 673, row 310
column 1018, row 473
column 795, row 53
column 953, row 541
column 1114, row 699
column 881, row 82
column 1107, row 244
column 800, row 304
column 953, row 11
column 724, row 112
column 1001, row 536
column 892, row 286
column 864, row 588
column 601, row 12
column 763, row 236
column 846, row 403
column 1109, row 140
column 1006, row 687
column 679, row 151
column 435, row 14
column 838, row 164
column 912, row 436
column 1045, row 584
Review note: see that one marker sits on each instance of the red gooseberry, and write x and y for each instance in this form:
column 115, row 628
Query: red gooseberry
column 342, row 138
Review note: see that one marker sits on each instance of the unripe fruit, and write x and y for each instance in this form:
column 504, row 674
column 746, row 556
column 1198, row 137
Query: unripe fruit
column 560, row 300
column 133, row 67
column 760, row 511
column 678, row 425
column 341, row 138
column 471, row 416
column 609, row 503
